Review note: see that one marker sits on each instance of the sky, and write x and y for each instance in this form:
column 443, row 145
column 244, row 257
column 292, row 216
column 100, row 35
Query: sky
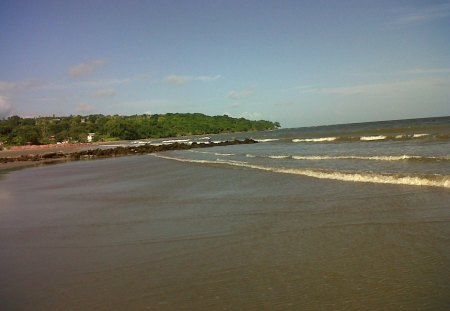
column 301, row 63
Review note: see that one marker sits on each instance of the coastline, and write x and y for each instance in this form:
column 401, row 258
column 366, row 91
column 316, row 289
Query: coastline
column 30, row 157
column 216, row 237
column 31, row 151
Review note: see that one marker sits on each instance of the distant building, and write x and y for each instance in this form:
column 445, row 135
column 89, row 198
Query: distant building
column 90, row 137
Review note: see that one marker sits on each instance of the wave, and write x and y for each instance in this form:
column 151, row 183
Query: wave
column 442, row 181
column 420, row 135
column 213, row 153
column 172, row 141
column 230, row 161
column 369, row 138
column 320, row 139
column 356, row 157
column 374, row 158
column 279, row 156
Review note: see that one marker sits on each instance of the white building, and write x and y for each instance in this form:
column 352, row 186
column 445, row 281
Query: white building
column 90, row 137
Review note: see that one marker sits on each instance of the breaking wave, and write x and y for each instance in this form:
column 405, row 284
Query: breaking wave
column 374, row 158
column 420, row 135
column 356, row 157
column 213, row 153
column 369, row 138
column 442, row 181
column 279, row 156
column 320, row 139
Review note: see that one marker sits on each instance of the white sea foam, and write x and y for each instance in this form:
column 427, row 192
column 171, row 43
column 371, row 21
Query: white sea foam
column 321, row 139
column 369, row 138
column 224, row 154
column 248, row 155
column 231, row 161
column 442, row 181
column 279, row 156
column 399, row 136
column 266, row 140
column 213, row 153
column 420, row 135
column 370, row 158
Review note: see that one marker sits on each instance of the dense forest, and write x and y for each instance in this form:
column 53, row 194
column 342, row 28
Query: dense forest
column 46, row 130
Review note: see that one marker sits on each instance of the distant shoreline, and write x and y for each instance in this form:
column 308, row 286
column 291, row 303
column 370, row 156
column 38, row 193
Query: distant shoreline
column 30, row 157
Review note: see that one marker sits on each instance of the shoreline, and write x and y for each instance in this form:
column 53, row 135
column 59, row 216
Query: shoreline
column 19, row 159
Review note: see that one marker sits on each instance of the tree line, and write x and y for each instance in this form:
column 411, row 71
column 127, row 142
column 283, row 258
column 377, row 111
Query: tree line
column 46, row 130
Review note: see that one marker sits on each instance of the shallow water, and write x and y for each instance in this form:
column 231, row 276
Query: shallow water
column 144, row 233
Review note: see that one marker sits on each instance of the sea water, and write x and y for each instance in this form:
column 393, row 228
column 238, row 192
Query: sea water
column 348, row 217
column 409, row 152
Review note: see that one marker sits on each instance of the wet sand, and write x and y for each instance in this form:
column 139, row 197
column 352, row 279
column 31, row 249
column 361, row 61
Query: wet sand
column 5, row 167
column 25, row 156
column 142, row 233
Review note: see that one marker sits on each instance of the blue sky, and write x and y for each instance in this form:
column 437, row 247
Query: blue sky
column 298, row 62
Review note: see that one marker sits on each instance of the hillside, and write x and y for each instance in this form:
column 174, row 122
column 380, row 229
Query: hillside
column 44, row 130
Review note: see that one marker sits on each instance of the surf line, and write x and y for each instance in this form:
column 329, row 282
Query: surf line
column 436, row 181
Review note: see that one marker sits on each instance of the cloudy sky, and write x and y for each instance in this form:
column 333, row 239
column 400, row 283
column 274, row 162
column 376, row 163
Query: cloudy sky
column 297, row 62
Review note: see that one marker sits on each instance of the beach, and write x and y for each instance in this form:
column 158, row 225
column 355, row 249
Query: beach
column 37, row 150
column 148, row 233
column 27, row 156
column 284, row 224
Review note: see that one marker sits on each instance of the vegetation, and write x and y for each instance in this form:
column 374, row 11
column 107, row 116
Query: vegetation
column 45, row 130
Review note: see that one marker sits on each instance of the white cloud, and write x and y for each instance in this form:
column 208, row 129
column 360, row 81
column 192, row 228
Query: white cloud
column 6, row 107
column 208, row 78
column 177, row 80
column 105, row 93
column 7, row 86
column 84, row 108
column 425, row 14
column 86, row 68
column 380, row 88
column 236, row 95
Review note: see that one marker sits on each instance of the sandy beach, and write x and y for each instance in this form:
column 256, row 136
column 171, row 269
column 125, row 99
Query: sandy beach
column 25, row 156
column 36, row 150
column 145, row 233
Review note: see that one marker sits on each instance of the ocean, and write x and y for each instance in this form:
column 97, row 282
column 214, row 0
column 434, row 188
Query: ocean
column 342, row 217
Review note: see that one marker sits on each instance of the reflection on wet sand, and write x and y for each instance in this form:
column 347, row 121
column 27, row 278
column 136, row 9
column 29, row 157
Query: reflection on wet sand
column 142, row 233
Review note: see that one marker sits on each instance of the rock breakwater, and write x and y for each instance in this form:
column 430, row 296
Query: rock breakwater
column 117, row 151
